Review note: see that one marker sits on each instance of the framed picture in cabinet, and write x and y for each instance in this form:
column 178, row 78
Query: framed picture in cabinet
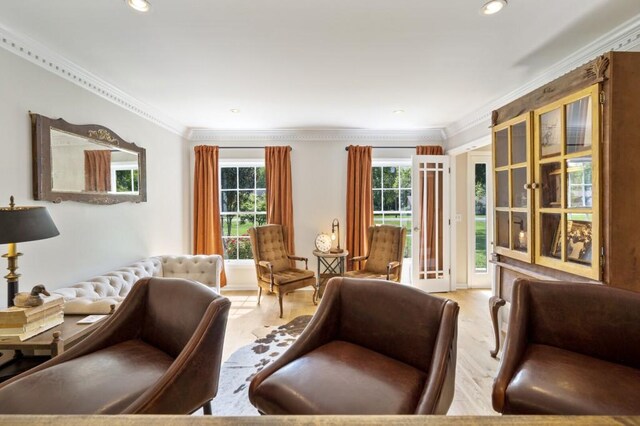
column 579, row 239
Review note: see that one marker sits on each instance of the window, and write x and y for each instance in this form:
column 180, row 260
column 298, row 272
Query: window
column 124, row 178
column 243, row 204
column 392, row 196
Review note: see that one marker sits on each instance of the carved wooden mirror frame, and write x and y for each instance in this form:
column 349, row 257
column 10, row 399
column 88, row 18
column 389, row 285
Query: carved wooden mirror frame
column 42, row 162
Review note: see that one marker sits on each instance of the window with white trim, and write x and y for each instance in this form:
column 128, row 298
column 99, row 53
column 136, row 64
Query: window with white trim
column 243, row 204
column 124, row 178
column 392, row 196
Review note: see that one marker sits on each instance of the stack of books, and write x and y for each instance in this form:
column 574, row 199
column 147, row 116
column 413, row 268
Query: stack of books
column 18, row 324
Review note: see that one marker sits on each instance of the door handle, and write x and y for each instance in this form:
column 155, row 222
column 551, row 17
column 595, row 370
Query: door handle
column 416, row 229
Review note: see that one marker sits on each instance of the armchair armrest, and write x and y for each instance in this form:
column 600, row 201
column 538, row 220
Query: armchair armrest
column 355, row 259
column 269, row 266
column 515, row 344
column 266, row 264
column 390, row 267
column 301, row 259
column 439, row 389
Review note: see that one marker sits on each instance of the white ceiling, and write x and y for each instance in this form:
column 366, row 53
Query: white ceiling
column 315, row 64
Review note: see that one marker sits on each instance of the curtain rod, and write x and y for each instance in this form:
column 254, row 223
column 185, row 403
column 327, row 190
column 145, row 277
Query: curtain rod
column 388, row 147
column 246, row 147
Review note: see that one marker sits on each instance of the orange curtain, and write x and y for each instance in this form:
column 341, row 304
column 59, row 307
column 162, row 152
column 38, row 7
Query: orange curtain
column 97, row 170
column 207, row 234
column 431, row 215
column 359, row 200
column 279, row 190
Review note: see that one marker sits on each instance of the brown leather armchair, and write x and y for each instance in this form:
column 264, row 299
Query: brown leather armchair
column 273, row 263
column 372, row 347
column 571, row 348
column 386, row 251
column 159, row 353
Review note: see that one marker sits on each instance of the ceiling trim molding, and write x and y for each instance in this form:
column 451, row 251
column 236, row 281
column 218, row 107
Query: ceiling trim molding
column 38, row 54
column 347, row 135
column 623, row 38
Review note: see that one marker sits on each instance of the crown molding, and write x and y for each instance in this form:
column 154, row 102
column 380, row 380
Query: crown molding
column 623, row 38
column 347, row 135
column 38, row 54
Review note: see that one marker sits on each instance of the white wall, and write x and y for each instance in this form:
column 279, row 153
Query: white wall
column 319, row 173
column 93, row 239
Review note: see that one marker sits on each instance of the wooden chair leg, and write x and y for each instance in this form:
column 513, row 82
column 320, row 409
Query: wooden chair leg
column 206, row 408
column 280, row 303
column 259, row 294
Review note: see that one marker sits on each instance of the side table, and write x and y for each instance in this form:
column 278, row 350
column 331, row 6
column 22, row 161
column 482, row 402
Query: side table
column 329, row 265
column 55, row 340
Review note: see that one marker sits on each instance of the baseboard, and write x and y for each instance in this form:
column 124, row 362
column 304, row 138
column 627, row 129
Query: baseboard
column 462, row 286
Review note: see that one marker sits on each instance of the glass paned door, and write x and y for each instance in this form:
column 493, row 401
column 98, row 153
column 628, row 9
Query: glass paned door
column 513, row 185
column 431, row 223
column 567, row 154
column 480, row 215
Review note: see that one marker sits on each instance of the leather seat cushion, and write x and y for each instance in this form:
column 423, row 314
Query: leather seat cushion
column 341, row 378
column 371, row 275
column 102, row 382
column 552, row 380
column 288, row 276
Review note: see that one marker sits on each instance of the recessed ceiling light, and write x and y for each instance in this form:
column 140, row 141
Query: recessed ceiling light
column 234, row 110
column 139, row 5
column 398, row 111
column 492, row 6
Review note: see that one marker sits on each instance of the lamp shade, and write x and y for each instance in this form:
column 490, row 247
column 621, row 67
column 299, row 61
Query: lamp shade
column 21, row 224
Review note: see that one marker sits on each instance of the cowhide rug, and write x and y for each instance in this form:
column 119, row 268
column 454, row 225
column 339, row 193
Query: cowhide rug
column 236, row 373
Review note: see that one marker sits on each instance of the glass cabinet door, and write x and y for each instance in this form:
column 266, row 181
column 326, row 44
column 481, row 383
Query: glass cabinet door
column 566, row 155
column 513, row 178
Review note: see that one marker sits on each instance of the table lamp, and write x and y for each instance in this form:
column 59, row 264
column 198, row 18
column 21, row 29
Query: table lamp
column 335, row 226
column 22, row 224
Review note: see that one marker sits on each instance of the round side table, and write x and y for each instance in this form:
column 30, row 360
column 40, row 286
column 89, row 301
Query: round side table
column 329, row 265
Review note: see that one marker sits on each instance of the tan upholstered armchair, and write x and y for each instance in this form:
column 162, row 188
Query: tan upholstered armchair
column 273, row 263
column 384, row 260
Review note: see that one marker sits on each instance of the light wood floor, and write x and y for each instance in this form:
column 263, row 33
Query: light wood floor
column 475, row 368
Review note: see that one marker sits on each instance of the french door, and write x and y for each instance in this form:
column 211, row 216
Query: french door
column 431, row 223
column 480, row 219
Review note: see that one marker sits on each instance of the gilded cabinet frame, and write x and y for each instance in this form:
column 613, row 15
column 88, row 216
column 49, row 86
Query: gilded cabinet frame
column 511, row 209
column 592, row 270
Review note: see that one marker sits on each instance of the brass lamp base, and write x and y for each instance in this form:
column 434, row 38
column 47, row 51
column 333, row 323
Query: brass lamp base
column 12, row 277
column 336, row 250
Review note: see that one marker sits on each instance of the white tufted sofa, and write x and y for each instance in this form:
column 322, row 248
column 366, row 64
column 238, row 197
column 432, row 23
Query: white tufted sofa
column 96, row 295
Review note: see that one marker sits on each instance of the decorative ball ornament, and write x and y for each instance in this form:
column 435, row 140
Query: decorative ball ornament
column 323, row 243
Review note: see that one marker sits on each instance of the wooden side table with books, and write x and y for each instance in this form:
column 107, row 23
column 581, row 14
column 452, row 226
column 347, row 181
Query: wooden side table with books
column 30, row 336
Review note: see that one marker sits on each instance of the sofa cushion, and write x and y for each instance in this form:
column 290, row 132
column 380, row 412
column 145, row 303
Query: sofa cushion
column 342, row 378
column 102, row 382
column 552, row 380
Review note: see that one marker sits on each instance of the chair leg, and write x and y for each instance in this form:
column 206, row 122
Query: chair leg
column 280, row 303
column 259, row 294
column 206, row 408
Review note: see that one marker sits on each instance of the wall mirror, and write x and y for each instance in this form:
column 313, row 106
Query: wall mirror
column 85, row 163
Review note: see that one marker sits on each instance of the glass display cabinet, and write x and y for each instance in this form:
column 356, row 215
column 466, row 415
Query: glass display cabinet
column 567, row 181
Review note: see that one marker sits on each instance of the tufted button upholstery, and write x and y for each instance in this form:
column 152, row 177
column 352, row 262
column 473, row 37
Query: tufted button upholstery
column 268, row 244
column 386, row 244
column 96, row 295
